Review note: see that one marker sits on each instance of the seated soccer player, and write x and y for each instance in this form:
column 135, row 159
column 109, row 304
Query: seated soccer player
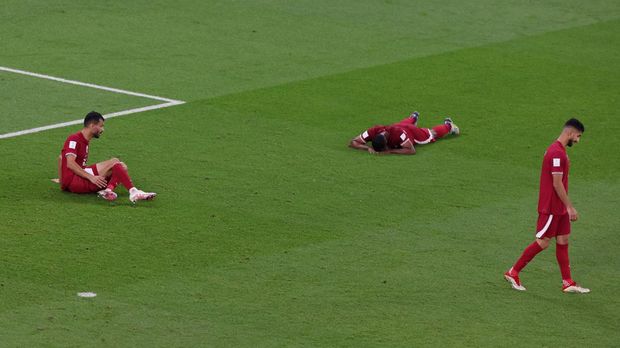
column 402, row 137
column 78, row 177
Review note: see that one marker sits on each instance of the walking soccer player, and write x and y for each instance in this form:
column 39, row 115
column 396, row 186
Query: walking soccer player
column 555, row 210
column 103, row 177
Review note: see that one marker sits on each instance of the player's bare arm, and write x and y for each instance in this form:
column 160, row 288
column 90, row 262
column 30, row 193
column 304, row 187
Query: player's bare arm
column 563, row 195
column 74, row 167
column 359, row 144
column 407, row 148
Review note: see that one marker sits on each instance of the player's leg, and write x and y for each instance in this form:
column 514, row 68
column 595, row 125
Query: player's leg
column 421, row 136
column 411, row 119
column 561, row 254
column 561, row 248
column 113, row 180
column 105, row 168
column 512, row 275
column 453, row 129
column 119, row 174
column 545, row 231
column 441, row 131
column 448, row 127
column 81, row 185
column 106, row 194
column 529, row 253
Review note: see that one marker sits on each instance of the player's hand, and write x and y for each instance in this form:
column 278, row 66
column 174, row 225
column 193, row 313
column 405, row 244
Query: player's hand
column 98, row 180
column 372, row 151
column 572, row 213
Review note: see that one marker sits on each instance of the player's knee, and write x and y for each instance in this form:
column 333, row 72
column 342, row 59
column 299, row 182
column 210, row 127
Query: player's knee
column 543, row 243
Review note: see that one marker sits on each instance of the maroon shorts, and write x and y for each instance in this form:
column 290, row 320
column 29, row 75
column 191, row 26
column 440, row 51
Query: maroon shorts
column 77, row 184
column 549, row 226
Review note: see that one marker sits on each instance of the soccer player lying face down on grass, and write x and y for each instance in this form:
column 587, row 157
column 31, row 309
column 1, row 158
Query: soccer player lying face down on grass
column 102, row 178
column 402, row 137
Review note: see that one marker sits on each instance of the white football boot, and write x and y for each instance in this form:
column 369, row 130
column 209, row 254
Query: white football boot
column 574, row 288
column 454, row 128
column 514, row 280
column 139, row 195
column 107, row 194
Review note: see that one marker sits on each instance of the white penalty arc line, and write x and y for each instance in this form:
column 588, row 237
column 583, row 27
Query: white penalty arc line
column 168, row 102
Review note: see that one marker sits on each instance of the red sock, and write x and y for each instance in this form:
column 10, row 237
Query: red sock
column 561, row 253
column 527, row 256
column 119, row 173
column 442, row 130
column 406, row 121
column 112, row 183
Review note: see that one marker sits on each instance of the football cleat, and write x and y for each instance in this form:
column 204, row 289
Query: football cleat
column 107, row 194
column 514, row 281
column 454, row 129
column 572, row 287
column 139, row 195
column 414, row 116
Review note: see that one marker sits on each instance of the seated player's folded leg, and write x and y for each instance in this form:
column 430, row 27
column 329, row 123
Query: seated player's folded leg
column 81, row 185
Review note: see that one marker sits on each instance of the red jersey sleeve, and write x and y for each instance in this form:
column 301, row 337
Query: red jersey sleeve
column 70, row 147
column 557, row 162
column 371, row 133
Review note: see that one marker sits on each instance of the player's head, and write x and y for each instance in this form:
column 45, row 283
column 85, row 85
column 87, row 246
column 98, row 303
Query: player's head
column 379, row 142
column 94, row 123
column 573, row 129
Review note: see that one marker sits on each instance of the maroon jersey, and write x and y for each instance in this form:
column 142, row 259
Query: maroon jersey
column 371, row 133
column 75, row 145
column 556, row 162
column 398, row 135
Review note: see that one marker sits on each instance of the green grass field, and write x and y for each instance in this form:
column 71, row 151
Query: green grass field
column 268, row 231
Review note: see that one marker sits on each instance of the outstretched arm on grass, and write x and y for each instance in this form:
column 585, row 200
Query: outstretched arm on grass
column 407, row 148
column 359, row 144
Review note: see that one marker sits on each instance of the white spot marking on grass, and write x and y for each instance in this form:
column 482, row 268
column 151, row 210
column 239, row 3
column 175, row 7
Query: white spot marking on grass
column 86, row 294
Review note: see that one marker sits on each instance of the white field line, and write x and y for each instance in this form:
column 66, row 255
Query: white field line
column 168, row 102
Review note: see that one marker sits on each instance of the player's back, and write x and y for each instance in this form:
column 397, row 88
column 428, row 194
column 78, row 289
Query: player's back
column 397, row 135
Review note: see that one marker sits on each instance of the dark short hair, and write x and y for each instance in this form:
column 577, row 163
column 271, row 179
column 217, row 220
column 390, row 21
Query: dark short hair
column 575, row 123
column 92, row 117
column 379, row 142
